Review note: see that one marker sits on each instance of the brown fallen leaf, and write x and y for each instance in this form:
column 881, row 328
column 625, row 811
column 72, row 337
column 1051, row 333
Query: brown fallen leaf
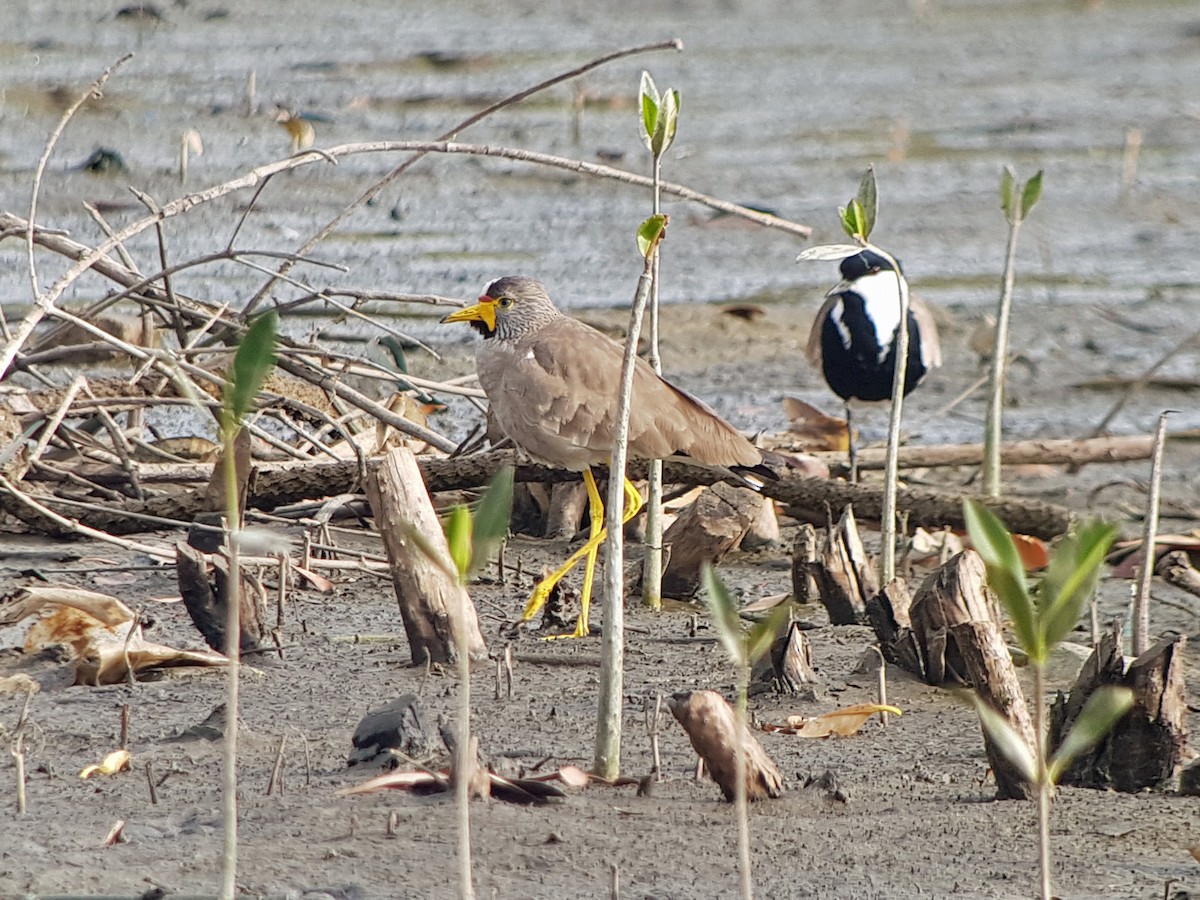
column 100, row 631
column 751, row 312
column 816, row 429
column 842, row 722
column 318, row 581
column 512, row 790
column 117, row 761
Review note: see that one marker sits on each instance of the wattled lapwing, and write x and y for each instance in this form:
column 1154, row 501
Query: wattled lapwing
column 552, row 383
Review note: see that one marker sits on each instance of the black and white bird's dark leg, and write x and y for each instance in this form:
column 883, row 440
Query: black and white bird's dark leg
column 850, row 445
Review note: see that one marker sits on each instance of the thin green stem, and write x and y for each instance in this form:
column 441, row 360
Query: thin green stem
column 607, row 761
column 891, row 483
column 993, row 429
column 1044, row 786
column 741, row 806
column 233, row 649
column 652, row 566
column 463, row 764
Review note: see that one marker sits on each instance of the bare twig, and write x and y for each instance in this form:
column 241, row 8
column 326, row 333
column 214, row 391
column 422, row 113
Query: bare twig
column 93, row 92
column 1141, row 601
column 18, row 752
column 277, row 769
column 462, row 126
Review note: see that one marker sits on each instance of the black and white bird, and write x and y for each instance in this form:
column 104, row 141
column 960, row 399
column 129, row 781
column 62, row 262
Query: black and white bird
column 856, row 332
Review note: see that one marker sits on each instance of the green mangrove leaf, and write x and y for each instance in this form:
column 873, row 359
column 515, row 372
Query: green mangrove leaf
column 650, row 233
column 491, row 517
column 253, row 361
column 668, row 123
column 828, row 253
column 854, row 219
column 458, row 537
column 431, row 552
column 868, row 199
column 1101, row 712
column 1071, row 579
column 1006, row 575
column 1008, row 193
column 724, row 614
column 1007, row 740
column 650, row 102
column 763, row 633
column 1031, row 194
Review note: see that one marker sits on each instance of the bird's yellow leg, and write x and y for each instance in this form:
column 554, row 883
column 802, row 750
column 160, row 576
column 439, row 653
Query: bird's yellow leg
column 590, row 550
column 542, row 592
column 596, row 538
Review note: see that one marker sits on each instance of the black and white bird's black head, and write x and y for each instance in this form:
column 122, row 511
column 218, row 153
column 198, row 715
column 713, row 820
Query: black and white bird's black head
column 855, row 334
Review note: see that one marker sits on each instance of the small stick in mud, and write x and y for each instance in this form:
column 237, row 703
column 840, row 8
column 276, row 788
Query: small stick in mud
column 1141, row 601
column 123, row 742
column 653, row 714
column 277, row 769
column 882, row 687
column 18, row 752
column 508, row 669
column 150, row 784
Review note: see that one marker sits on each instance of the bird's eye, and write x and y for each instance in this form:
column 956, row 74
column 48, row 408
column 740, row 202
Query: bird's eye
column 504, row 302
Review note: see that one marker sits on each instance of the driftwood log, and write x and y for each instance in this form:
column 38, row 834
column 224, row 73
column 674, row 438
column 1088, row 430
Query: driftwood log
column 1063, row 451
column 204, row 587
column 704, row 532
column 433, row 605
column 276, row 484
column 711, row 726
column 1146, row 747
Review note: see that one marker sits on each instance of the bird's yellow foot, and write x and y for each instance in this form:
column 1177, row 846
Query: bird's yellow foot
column 581, row 630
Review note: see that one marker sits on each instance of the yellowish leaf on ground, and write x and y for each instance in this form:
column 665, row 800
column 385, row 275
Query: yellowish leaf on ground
column 117, row 761
column 842, row 722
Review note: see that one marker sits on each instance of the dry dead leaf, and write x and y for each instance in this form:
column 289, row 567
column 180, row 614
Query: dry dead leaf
column 317, row 581
column 18, row 684
column 842, row 722
column 816, row 429
column 99, row 629
column 397, row 781
column 117, row 761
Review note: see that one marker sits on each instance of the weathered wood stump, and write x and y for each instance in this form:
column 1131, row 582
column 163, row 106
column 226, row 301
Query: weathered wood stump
column 711, row 726
column 401, row 725
column 205, row 593
column 804, row 560
column 787, row 668
column 433, row 605
column 845, row 575
column 705, row 532
column 951, row 632
column 1145, row 749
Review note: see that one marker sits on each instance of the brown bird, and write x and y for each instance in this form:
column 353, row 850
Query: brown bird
column 552, row 383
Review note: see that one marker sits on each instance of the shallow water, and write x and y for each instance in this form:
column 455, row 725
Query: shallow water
column 784, row 105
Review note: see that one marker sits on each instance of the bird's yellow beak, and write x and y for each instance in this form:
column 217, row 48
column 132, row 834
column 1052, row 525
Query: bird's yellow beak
column 484, row 311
